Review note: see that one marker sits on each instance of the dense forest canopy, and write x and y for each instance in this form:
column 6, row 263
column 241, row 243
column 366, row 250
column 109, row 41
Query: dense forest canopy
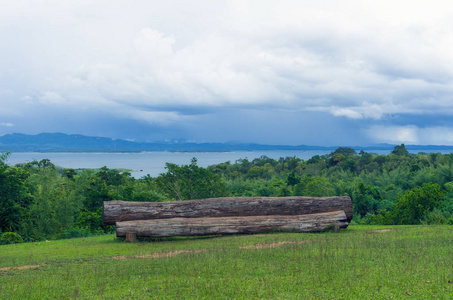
column 39, row 200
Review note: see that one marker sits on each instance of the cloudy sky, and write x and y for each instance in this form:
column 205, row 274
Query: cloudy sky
column 274, row 72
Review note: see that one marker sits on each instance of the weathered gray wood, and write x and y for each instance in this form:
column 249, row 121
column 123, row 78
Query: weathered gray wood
column 232, row 225
column 130, row 237
column 118, row 211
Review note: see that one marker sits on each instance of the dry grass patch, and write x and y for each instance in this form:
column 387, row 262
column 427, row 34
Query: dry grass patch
column 157, row 255
column 272, row 245
column 382, row 230
column 19, row 268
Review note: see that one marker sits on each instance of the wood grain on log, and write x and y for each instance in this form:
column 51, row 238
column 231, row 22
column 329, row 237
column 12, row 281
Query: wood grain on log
column 118, row 211
column 231, row 225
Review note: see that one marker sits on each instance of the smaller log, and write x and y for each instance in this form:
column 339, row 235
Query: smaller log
column 232, row 225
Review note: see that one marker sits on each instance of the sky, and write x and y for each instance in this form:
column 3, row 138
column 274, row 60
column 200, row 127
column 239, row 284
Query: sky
column 330, row 73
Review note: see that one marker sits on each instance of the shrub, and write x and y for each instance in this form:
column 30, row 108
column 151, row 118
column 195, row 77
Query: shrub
column 10, row 238
column 415, row 204
column 75, row 233
column 435, row 217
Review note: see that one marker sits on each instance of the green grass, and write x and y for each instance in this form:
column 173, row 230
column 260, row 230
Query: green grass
column 356, row 263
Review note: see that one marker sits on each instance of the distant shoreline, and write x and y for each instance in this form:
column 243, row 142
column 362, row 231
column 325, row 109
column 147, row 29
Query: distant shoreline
column 369, row 150
column 65, row 143
column 124, row 152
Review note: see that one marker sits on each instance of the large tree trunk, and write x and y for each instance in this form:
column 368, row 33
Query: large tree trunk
column 231, row 225
column 118, row 211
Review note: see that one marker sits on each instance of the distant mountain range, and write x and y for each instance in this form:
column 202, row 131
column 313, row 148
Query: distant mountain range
column 60, row 142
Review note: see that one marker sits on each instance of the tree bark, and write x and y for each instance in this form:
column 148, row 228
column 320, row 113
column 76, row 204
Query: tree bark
column 118, row 211
column 232, row 225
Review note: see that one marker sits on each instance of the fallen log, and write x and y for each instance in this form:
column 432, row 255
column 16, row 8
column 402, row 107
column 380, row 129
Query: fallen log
column 231, row 225
column 118, row 211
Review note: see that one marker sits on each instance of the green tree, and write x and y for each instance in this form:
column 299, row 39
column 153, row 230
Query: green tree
column 345, row 151
column 69, row 173
column 14, row 196
column 92, row 190
column 95, row 193
column 314, row 187
column 365, row 199
column 314, row 159
column 336, row 159
column 110, row 176
column 400, row 150
column 413, row 205
column 255, row 172
column 292, row 180
column 55, row 202
column 187, row 182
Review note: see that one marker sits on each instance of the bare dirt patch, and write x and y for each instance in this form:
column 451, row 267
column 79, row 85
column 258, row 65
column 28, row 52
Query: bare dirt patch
column 157, row 255
column 272, row 245
column 19, row 268
column 383, row 230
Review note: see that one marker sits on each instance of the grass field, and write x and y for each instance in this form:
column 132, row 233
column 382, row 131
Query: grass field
column 361, row 262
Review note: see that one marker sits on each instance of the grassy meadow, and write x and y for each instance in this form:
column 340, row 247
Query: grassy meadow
column 361, row 262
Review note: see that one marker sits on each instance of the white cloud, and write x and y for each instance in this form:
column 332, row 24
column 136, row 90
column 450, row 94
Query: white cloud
column 346, row 112
column 7, row 124
column 367, row 110
column 250, row 53
column 27, row 99
column 51, row 97
column 152, row 45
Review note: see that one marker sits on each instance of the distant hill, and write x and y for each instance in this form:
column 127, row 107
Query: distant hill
column 60, row 142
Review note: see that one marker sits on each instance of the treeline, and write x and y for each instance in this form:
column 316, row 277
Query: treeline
column 39, row 200
column 398, row 188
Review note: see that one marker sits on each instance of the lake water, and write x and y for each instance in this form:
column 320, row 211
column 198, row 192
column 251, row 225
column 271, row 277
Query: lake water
column 153, row 163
